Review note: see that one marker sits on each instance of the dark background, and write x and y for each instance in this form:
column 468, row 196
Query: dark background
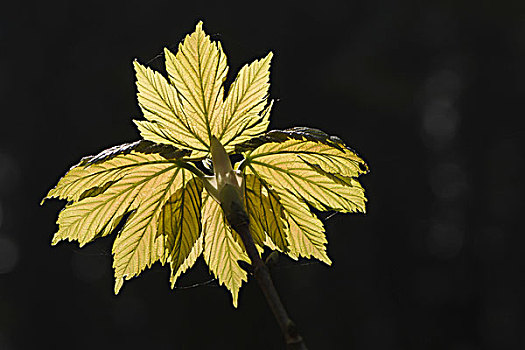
column 430, row 94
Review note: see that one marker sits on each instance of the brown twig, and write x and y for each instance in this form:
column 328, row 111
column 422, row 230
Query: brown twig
column 240, row 223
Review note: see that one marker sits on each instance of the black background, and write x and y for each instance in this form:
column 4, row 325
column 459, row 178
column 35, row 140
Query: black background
column 430, row 94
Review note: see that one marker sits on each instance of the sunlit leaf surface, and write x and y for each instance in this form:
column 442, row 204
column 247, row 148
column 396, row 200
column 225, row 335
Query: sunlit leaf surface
column 241, row 117
column 266, row 214
column 221, row 251
column 309, row 170
column 198, row 71
column 180, row 225
column 168, row 210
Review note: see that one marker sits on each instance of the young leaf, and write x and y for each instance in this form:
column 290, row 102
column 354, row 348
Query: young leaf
column 221, row 251
column 331, row 153
column 173, row 211
column 162, row 106
column 287, row 165
column 198, row 71
column 266, row 215
column 111, row 165
column 180, row 226
column 241, row 119
column 305, row 230
column 131, row 176
column 137, row 246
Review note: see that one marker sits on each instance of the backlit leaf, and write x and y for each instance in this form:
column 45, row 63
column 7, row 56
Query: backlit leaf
column 98, row 215
column 111, row 165
column 305, row 230
column 155, row 186
column 266, row 215
column 162, row 106
column 221, row 251
column 137, row 245
column 294, row 165
column 198, row 71
column 180, row 226
column 104, row 189
column 331, row 153
column 241, row 114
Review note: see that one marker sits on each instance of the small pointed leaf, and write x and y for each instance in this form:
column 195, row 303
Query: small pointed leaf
column 98, row 215
column 305, row 230
column 288, row 165
column 162, row 107
column 198, row 71
column 111, row 165
column 266, row 215
column 180, row 225
column 138, row 245
column 241, row 114
column 221, row 251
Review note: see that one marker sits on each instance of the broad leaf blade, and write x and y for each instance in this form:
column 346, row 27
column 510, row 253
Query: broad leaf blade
column 198, row 71
column 288, row 165
column 241, row 113
column 266, row 215
column 98, row 215
column 107, row 187
column 221, row 251
column 331, row 153
column 180, row 226
column 138, row 245
column 141, row 146
column 305, row 230
column 111, row 165
column 162, row 107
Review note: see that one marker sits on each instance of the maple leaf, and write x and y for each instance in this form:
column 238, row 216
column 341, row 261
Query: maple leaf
column 173, row 211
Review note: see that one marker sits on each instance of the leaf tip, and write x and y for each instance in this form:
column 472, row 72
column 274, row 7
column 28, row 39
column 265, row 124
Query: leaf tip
column 235, row 297
column 168, row 54
column 56, row 238
column 323, row 257
column 198, row 27
column 118, row 284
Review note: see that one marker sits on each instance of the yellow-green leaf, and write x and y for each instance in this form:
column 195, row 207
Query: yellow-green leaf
column 192, row 109
column 105, row 188
column 288, row 165
column 221, row 251
column 167, row 123
column 98, row 215
column 165, row 200
column 330, row 153
column 110, row 165
column 198, row 71
column 248, row 95
column 138, row 245
column 305, row 231
column 266, row 215
column 180, row 226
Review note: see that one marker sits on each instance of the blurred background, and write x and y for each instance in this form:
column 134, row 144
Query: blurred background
column 429, row 93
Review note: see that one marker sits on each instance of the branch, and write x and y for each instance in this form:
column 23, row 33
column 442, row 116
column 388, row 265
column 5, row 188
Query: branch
column 239, row 221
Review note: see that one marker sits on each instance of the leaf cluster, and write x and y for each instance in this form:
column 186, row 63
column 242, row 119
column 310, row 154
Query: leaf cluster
column 156, row 187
